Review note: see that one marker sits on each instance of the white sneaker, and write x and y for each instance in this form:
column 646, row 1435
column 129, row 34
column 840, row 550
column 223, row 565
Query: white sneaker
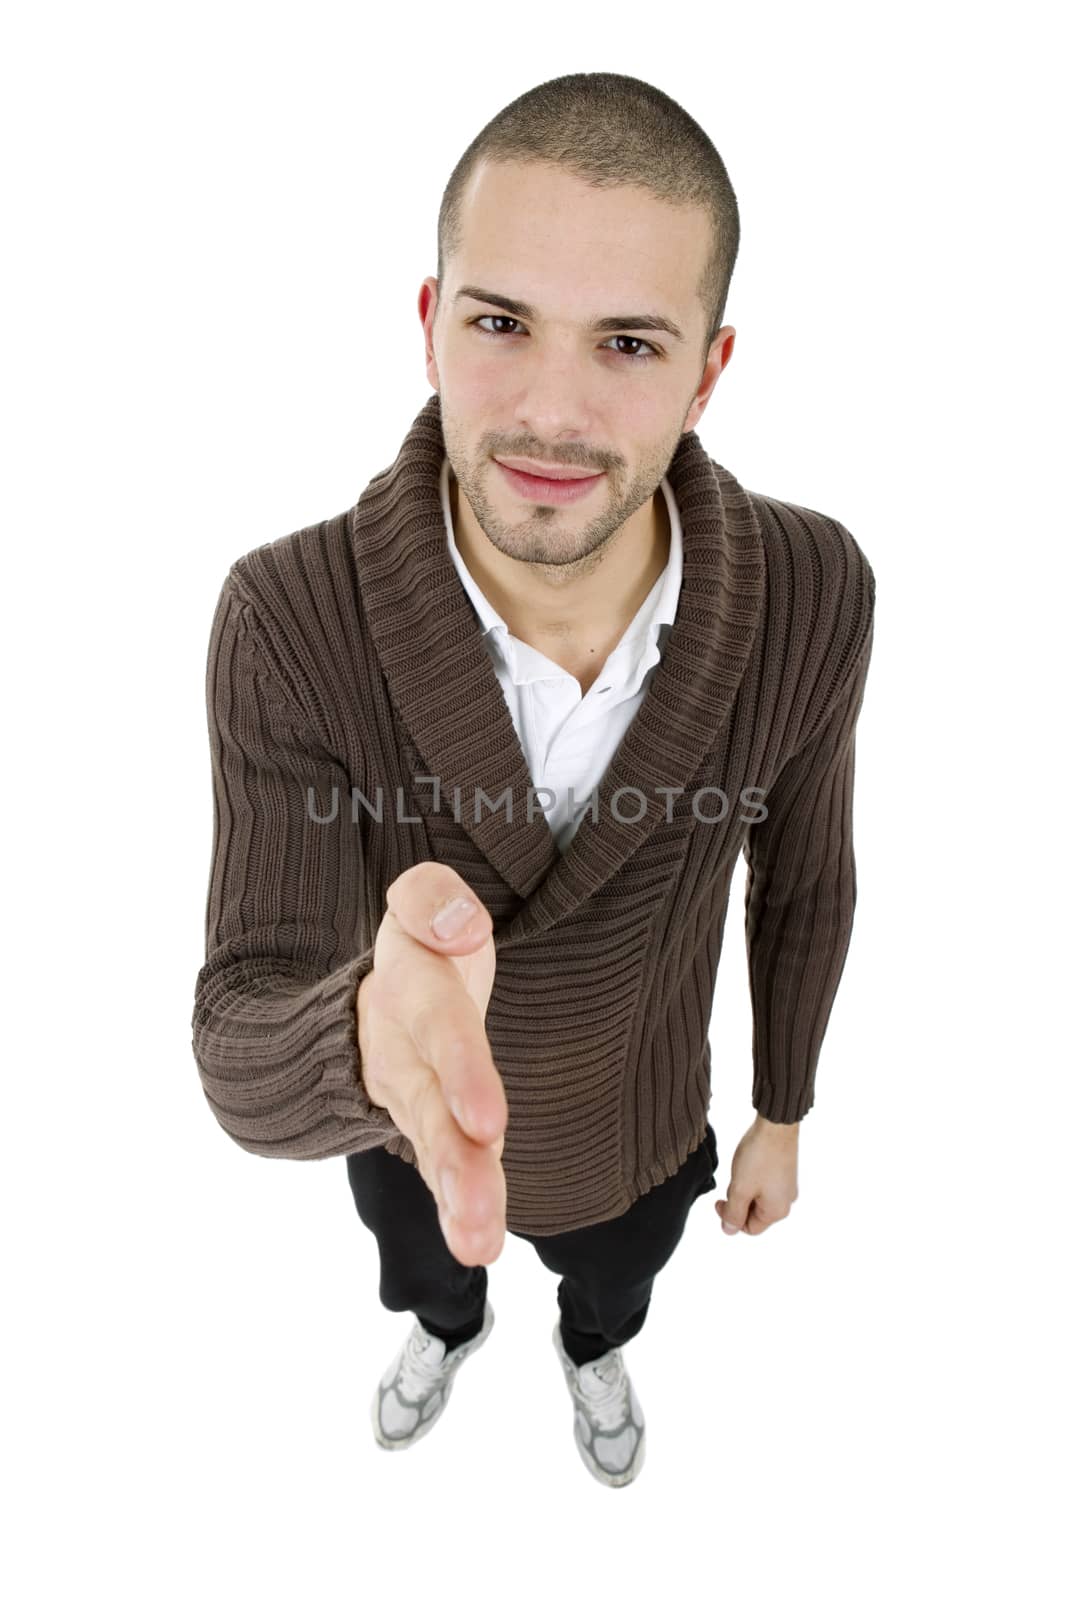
column 609, row 1425
column 415, row 1387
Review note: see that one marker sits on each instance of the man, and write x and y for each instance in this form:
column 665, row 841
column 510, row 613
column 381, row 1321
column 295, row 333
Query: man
column 546, row 681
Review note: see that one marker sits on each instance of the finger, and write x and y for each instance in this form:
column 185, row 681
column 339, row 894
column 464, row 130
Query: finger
column 473, row 1208
column 760, row 1218
column 430, row 890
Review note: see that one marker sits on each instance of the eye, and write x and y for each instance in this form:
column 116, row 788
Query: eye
column 623, row 355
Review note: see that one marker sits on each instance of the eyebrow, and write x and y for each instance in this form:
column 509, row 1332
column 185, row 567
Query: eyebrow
column 649, row 321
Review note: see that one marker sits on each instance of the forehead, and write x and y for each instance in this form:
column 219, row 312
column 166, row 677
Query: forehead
column 564, row 232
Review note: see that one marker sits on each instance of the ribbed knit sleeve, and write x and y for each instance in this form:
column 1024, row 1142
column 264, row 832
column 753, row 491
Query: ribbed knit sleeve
column 274, row 1025
column 800, row 899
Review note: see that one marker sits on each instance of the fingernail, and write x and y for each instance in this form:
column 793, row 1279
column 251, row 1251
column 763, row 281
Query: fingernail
column 452, row 918
column 728, row 1227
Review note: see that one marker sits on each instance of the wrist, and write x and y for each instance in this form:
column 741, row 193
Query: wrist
column 779, row 1130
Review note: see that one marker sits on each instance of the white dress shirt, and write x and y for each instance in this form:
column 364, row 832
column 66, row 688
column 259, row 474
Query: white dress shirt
column 569, row 738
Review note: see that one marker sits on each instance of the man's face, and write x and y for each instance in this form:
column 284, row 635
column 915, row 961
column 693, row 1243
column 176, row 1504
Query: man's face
column 546, row 386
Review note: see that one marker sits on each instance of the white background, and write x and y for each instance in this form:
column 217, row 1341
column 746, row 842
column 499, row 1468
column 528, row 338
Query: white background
column 217, row 220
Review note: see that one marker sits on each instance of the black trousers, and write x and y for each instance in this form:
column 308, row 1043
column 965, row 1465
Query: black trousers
column 606, row 1270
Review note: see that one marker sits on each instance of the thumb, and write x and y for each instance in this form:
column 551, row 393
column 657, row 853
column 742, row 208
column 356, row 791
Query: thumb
column 733, row 1212
column 433, row 904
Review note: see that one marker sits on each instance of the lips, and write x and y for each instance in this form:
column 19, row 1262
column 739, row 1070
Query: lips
column 550, row 474
column 549, row 491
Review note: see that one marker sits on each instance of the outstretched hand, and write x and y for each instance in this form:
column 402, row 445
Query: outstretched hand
column 763, row 1177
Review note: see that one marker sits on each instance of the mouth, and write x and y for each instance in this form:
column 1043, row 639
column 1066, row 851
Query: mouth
column 551, row 490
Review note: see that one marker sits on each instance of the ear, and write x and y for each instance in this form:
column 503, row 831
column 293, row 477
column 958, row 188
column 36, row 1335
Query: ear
column 428, row 303
column 719, row 353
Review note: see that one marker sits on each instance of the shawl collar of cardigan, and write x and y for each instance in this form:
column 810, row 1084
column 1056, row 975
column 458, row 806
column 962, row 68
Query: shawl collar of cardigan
column 444, row 688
